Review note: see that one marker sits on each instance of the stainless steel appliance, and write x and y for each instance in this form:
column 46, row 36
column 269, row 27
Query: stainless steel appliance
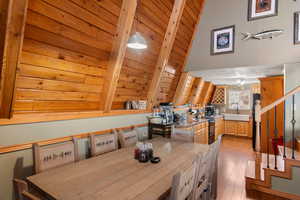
column 167, row 113
column 210, row 110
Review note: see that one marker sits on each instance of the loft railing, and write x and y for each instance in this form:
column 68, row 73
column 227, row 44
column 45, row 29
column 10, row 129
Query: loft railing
column 275, row 139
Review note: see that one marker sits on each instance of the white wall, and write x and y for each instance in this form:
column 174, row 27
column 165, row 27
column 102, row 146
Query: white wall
column 20, row 164
column 222, row 13
column 292, row 80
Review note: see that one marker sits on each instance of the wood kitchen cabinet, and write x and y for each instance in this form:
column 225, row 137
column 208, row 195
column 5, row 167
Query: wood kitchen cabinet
column 201, row 133
column 238, row 128
column 219, row 127
column 230, row 127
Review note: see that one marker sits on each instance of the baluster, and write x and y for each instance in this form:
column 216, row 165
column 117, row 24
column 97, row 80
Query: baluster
column 284, row 120
column 293, row 127
column 268, row 139
column 275, row 136
column 258, row 125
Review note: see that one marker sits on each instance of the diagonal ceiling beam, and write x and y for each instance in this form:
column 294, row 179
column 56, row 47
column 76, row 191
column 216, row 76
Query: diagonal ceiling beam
column 183, row 89
column 125, row 22
column 12, row 23
column 196, row 91
column 165, row 51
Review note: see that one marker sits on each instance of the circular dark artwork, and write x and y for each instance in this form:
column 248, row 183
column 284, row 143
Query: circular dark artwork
column 223, row 40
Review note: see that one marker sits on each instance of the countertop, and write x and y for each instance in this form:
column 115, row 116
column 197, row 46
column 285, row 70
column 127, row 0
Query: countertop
column 189, row 124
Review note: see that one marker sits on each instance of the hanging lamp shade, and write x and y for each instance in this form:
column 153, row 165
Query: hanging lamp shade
column 137, row 41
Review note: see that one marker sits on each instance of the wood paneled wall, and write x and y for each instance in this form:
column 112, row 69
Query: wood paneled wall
column 196, row 90
column 67, row 46
column 65, row 53
column 184, row 89
column 206, row 93
column 185, row 34
column 272, row 89
column 151, row 21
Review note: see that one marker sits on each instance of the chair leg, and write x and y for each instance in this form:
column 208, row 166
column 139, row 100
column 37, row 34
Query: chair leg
column 20, row 187
column 22, row 190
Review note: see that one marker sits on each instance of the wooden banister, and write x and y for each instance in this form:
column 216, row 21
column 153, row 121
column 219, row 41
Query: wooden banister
column 279, row 101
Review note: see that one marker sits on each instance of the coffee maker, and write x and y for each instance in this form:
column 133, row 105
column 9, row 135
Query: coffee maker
column 167, row 112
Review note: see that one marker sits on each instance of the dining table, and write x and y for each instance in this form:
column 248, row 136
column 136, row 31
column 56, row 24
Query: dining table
column 117, row 175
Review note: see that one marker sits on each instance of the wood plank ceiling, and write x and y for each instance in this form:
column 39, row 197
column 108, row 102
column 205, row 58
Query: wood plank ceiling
column 67, row 47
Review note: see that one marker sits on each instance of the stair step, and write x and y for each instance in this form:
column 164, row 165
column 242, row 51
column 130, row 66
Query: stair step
column 280, row 162
column 288, row 152
column 250, row 170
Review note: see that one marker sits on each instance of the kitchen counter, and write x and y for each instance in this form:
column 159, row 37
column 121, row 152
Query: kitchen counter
column 197, row 130
column 189, row 124
column 236, row 117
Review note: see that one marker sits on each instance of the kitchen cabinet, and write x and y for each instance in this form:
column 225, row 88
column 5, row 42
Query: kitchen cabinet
column 238, row 128
column 242, row 129
column 219, row 96
column 230, row 127
column 219, row 127
column 201, row 133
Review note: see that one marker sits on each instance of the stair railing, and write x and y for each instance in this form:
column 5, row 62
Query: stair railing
column 275, row 141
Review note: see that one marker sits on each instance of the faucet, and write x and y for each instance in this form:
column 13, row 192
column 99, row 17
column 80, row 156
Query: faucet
column 237, row 108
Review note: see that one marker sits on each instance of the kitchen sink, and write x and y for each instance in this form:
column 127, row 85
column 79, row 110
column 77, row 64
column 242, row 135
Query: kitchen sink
column 236, row 117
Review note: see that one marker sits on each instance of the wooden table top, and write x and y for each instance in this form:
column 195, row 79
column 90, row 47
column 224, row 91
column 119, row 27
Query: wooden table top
column 117, row 176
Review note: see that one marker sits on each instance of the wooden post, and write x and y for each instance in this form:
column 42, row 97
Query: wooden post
column 258, row 124
column 165, row 51
column 125, row 22
column 12, row 26
column 258, row 165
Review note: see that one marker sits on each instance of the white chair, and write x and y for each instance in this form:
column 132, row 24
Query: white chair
column 101, row 144
column 180, row 134
column 213, row 178
column 128, row 138
column 51, row 156
column 201, row 184
column 205, row 187
column 183, row 182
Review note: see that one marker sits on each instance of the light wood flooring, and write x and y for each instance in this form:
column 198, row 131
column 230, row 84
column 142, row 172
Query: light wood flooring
column 234, row 155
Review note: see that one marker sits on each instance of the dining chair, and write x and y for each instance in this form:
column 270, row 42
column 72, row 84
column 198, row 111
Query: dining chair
column 186, row 135
column 201, row 184
column 51, row 156
column 182, row 184
column 101, row 144
column 128, row 138
column 213, row 178
column 22, row 191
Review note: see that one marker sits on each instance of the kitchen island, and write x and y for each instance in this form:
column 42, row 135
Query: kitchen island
column 199, row 129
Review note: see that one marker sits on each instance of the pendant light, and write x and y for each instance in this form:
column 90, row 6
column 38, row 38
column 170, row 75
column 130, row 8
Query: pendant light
column 137, row 41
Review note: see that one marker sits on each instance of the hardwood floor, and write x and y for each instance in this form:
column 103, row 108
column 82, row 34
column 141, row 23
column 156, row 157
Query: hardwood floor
column 234, row 154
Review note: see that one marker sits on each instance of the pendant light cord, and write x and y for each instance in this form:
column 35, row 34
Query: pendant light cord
column 137, row 15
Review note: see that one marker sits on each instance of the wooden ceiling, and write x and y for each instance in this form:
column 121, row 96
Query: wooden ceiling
column 71, row 55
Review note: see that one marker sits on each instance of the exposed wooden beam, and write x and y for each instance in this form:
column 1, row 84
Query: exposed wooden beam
column 204, row 93
column 125, row 22
column 165, row 51
column 183, row 89
column 209, row 93
column 13, row 17
column 196, row 90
